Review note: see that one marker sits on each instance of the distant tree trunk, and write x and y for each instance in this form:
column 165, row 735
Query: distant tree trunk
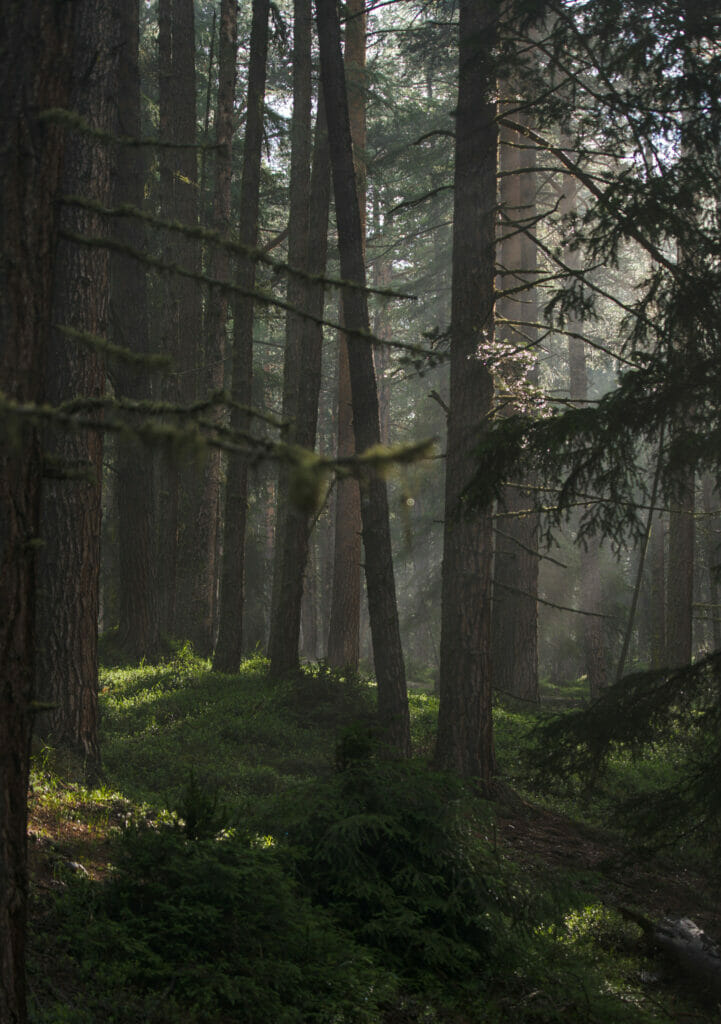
column 39, row 38
column 69, row 559
column 230, row 633
column 387, row 651
column 590, row 589
column 514, row 632
column 713, row 559
column 128, row 317
column 344, row 627
column 288, row 578
column 658, row 591
column 184, row 566
column 206, row 513
column 465, row 726
column 679, row 579
column 293, row 537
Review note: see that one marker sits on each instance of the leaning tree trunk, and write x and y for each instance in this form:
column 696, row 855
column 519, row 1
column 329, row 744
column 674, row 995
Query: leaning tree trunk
column 345, row 609
column 66, row 630
column 465, row 728
column 230, row 635
column 380, row 582
column 39, row 36
column 128, row 317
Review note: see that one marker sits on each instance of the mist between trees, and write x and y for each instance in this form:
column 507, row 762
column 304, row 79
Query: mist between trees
column 384, row 335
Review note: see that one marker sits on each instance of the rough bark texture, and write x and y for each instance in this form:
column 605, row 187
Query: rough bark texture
column 713, row 558
column 515, row 577
column 230, row 634
column 293, row 538
column 590, row 588
column 288, row 578
column 69, row 559
column 465, row 729
column 186, row 551
column 380, row 582
column 206, row 526
column 679, row 580
column 128, row 321
column 657, row 615
column 345, row 610
column 39, row 37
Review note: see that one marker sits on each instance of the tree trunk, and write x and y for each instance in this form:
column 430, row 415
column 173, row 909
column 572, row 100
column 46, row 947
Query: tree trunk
column 128, row 316
column 345, row 611
column 593, row 645
column 679, row 580
column 69, row 560
column 39, row 37
column 230, row 634
column 292, row 538
column 287, row 580
column 713, row 559
column 387, row 651
column 465, row 726
column 514, row 631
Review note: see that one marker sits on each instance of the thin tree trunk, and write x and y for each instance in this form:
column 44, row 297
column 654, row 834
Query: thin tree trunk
column 713, row 559
column 514, row 628
column 66, row 629
column 292, row 538
column 387, row 651
column 39, row 37
column 128, row 317
column 679, row 580
column 593, row 644
column 230, row 634
column 344, row 626
column 465, row 726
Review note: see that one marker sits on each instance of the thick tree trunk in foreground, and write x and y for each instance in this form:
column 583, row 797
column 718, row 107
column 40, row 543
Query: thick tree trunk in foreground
column 387, row 651
column 345, row 609
column 69, row 559
column 465, row 727
column 39, row 37
column 230, row 634
column 129, row 329
column 293, row 539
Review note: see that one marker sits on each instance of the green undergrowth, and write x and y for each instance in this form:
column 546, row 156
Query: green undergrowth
column 252, row 856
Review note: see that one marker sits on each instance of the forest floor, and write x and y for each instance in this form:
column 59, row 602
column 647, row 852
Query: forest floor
column 159, row 723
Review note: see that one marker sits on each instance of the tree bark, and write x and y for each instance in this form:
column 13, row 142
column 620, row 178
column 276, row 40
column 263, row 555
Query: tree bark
column 345, row 610
column 387, row 651
column 128, row 316
column 514, row 628
column 292, row 539
column 230, row 634
column 679, row 579
column 69, row 559
column 465, row 726
column 39, row 37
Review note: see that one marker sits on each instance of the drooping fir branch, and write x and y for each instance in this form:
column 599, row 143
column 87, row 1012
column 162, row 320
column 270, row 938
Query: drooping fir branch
column 209, row 235
column 418, row 353
column 150, row 360
column 72, row 120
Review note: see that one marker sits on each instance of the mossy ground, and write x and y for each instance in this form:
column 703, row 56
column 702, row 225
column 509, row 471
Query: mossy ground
column 253, row 756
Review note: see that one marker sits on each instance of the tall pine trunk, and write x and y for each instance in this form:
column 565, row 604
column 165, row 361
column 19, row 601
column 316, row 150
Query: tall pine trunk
column 345, row 610
column 230, row 634
column 465, row 727
column 515, row 576
column 69, row 559
column 128, row 321
column 380, row 582
column 292, row 539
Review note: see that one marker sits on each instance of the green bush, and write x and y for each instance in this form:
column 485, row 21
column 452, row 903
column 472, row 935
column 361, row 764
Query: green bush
column 215, row 928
